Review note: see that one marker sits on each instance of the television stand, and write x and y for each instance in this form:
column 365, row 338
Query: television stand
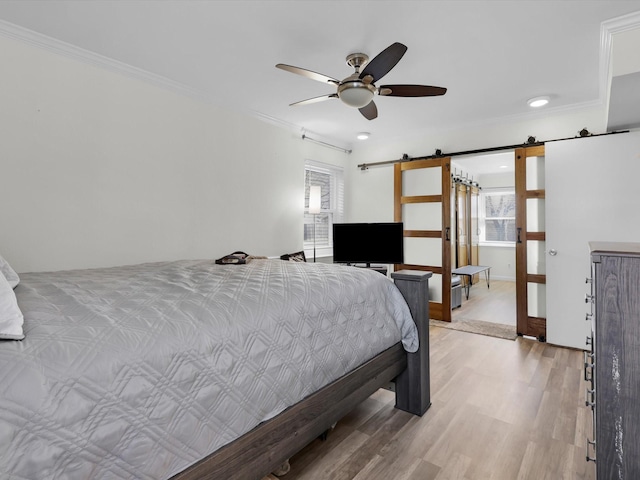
column 378, row 268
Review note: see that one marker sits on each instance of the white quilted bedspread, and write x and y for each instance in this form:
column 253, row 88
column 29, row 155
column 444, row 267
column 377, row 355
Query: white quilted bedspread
column 139, row 371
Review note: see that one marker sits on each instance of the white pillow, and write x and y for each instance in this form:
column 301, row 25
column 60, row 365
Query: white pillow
column 11, row 318
column 9, row 273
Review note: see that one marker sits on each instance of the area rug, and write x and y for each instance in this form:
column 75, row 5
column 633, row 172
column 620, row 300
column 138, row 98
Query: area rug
column 476, row 326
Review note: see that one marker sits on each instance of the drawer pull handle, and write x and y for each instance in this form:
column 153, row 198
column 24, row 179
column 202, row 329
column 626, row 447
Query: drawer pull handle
column 590, row 401
column 588, row 365
column 593, row 444
column 587, row 378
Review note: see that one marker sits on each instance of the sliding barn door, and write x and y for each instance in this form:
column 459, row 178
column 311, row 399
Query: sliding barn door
column 474, row 229
column 462, row 225
column 591, row 185
column 422, row 201
column 466, row 248
column 530, row 242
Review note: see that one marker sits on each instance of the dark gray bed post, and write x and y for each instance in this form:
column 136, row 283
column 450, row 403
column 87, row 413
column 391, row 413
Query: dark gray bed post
column 412, row 386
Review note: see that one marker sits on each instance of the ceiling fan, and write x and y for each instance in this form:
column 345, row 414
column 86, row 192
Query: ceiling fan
column 358, row 89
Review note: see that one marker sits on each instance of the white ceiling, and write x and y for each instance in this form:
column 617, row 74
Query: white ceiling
column 491, row 55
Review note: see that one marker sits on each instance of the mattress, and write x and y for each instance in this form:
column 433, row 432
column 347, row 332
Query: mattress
column 139, row 371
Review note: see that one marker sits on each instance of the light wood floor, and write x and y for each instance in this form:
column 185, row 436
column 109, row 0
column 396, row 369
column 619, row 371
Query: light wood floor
column 501, row 410
column 496, row 304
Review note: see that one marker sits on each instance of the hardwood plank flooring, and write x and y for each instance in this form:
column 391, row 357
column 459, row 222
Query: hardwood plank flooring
column 496, row 304
column 501, row 410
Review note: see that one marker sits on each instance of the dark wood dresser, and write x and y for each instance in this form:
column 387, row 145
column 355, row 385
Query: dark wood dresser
column 612, row 366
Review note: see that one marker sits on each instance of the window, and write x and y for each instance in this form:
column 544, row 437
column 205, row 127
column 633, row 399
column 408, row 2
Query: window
column 498, row 216
column 330, row 180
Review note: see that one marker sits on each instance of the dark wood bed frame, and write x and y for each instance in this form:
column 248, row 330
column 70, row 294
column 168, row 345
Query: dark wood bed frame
column 270, row 444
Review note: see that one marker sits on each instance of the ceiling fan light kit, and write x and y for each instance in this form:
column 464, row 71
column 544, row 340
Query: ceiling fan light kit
column 356, row 93
column 358, row 89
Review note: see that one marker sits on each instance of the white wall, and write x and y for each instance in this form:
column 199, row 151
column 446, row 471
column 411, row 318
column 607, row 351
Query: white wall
column 545, row 126
column 98, row 169
column 502, row 261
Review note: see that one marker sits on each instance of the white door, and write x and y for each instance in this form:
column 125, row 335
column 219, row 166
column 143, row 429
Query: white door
column 592, row 194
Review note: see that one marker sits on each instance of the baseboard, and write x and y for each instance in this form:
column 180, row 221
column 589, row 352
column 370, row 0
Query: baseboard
column 504, row 279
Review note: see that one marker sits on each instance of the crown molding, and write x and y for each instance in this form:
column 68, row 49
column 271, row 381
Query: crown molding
column 68, row 50
column 607, row 30
column 50, row 44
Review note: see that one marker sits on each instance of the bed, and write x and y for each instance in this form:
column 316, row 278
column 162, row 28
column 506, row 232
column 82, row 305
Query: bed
column 190, row 369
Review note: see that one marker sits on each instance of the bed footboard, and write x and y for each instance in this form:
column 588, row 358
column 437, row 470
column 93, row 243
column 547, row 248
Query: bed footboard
column 412, row 386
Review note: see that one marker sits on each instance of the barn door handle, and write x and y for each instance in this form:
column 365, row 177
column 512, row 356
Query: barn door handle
column 519, row 231
column 446, row 233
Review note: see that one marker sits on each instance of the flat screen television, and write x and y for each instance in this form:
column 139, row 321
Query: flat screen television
column 368, row 243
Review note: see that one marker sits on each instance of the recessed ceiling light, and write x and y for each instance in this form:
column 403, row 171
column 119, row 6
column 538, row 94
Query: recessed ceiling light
column 363, row 135
column 538, row 101
column 502, row 166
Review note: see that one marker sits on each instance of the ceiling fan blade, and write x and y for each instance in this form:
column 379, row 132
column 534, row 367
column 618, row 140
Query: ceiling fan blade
column 308, row 73
column 384, row 61
column 315, row 99
column 369, row 111
column 411, row 91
